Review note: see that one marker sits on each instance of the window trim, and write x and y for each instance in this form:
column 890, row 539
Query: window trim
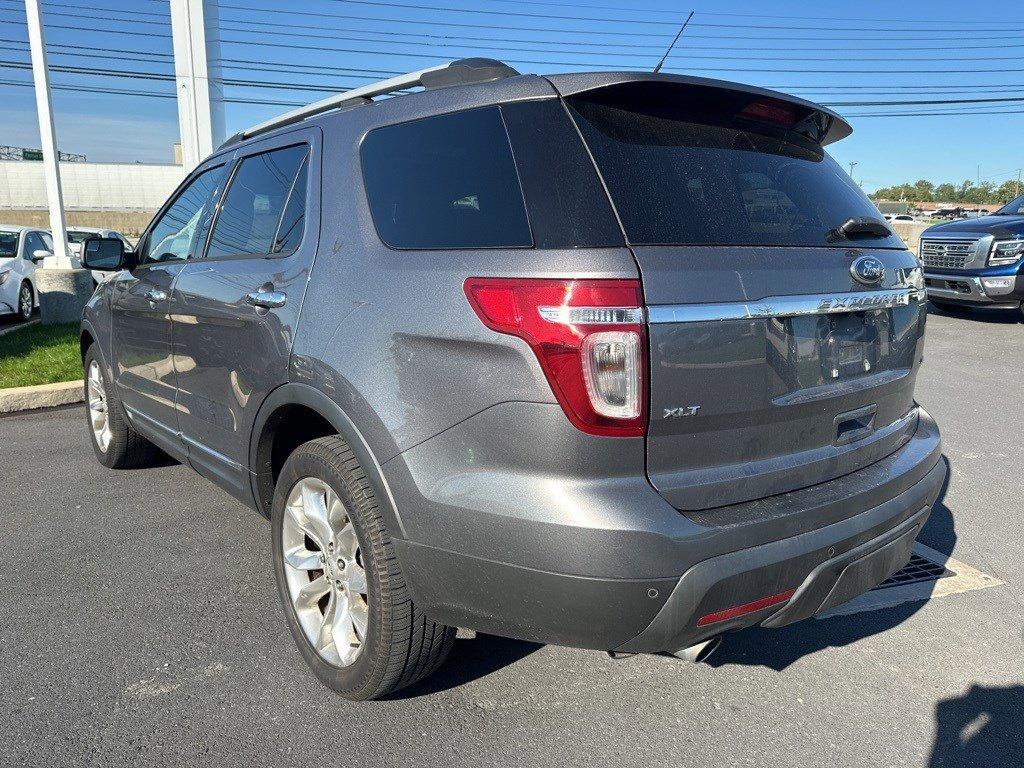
column 284, row 209
column 519, row 182
column 143, row 243
column 236, row 165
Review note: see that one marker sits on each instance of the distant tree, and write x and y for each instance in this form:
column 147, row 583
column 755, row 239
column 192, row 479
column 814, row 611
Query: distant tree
column 924, row 190
column 964, row 193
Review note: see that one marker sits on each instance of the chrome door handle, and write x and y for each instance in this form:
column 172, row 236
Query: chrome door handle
column 266, row 299
column 154, row 295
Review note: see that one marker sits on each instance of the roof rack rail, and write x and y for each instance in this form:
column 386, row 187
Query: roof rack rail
column 459, row 72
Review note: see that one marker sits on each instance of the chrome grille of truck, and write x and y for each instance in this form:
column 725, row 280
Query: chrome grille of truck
column 947, row 254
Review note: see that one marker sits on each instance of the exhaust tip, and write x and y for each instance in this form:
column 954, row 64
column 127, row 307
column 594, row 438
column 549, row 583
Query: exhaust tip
column 698, row 652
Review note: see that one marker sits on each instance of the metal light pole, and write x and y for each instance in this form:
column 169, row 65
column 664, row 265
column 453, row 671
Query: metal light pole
column 47, row 135
column 200, row 113
column 853, row 164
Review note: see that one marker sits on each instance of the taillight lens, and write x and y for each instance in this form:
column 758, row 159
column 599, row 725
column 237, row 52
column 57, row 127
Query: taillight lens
column 589, row 337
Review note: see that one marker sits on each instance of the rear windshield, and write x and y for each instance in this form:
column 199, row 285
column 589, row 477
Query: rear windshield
column 684, row 178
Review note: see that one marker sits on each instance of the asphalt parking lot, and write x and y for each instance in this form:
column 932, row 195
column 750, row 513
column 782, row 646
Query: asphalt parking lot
column 139, row 626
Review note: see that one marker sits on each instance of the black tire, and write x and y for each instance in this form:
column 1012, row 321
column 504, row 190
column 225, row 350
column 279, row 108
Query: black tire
column 25, row 309
column 127, row 448
column 950, row 307
column 401, row 645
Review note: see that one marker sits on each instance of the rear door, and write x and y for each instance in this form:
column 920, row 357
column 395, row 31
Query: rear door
column 235, row 310
column 776, row 363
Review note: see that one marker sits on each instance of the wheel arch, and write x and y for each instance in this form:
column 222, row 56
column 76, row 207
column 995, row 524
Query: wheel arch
column 86, row 338
column 298, row 399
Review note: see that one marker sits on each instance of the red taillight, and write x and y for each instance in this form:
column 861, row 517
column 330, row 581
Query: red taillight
column 740, row 610
column 589, row 337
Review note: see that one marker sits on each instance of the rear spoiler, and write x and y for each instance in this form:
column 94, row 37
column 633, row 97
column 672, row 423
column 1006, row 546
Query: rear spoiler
column 809, row 119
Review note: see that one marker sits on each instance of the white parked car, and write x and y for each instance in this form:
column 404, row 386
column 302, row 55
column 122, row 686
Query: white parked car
column 21, row 249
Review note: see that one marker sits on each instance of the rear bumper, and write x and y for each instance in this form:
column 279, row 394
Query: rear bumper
column 808, row 564
column 645, row 590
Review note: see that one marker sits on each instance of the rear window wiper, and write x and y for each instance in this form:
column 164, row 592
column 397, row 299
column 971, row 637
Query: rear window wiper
column 856, row 228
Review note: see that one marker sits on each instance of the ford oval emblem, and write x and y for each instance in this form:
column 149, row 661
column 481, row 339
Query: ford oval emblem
column 868, row 270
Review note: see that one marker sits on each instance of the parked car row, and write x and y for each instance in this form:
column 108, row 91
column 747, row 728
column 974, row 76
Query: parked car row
column 22, row 250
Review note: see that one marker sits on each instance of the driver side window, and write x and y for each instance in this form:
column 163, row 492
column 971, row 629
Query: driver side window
column 173, row 235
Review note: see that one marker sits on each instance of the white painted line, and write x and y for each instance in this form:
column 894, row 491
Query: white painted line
column 967, row 579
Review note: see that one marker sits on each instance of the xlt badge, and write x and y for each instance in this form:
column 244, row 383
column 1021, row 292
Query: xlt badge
column 683, row 410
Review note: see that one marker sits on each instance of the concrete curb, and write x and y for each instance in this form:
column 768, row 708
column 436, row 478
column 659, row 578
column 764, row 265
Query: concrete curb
column 42, row 396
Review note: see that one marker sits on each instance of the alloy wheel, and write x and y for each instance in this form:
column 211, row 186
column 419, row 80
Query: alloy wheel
column 25, row 302
column 324, row 571
column 96, row 397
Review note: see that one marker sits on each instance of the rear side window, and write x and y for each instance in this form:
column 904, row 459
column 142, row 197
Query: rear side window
column 445, row 182
column 682, row 176
column 258, row 200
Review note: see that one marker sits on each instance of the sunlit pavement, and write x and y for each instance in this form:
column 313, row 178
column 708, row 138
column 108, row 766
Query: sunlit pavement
column 139, row 626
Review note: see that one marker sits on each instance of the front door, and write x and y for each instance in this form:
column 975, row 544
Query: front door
column 141, row 352
column 235, row 309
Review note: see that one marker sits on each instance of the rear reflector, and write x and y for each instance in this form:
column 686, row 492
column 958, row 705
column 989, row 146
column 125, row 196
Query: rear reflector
column 740, row 610
column 589, row 337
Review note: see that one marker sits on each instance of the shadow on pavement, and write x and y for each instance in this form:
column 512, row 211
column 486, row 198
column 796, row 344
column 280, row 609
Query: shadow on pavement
column 982, row 729
column 469, row 661
column 979, row 315
column 778, row 648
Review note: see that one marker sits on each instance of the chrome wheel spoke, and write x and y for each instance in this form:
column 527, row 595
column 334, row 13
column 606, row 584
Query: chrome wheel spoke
column 314, row 513
column 336, row 515
column 304, row 559
column 360, row 615
column 347, row 542
column 341, row 626
column 356, row 578
column 325, row 634
column 309, row 595
column 318, row 539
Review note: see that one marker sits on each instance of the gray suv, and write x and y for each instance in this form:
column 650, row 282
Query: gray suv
column 620, row 361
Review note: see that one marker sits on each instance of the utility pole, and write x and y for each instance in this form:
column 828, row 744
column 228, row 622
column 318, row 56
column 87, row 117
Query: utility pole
column 853, row 164
column 200, row 113
column 47, row 135
column 1016, row 191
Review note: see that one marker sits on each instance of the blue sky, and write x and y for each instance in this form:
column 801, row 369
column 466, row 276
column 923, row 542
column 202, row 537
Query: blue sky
column 827, row 51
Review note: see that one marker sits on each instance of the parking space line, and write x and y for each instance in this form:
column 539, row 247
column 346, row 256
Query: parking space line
column 964, row 579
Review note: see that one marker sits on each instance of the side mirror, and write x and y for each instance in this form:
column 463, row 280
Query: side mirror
column 39, row 255
column 104, row 254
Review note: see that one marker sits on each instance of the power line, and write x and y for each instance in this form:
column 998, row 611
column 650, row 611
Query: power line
column 514, row 14
column 845, row 19
column 149, row 94
column 919, row 102
column 46, row 3
column 577, row 17
column 968, row 113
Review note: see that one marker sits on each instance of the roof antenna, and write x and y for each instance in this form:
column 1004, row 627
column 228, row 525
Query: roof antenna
column 661, row 63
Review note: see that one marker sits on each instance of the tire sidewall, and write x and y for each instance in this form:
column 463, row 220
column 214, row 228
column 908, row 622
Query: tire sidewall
column 363, row 674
